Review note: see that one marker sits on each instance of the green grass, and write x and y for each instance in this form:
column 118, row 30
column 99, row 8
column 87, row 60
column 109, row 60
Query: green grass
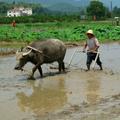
column 66, row 31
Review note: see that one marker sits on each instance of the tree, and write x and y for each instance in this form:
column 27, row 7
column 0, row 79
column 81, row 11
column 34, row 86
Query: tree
column 116, row 11
column 97, row 9
column 13, row 3
column 3, row 8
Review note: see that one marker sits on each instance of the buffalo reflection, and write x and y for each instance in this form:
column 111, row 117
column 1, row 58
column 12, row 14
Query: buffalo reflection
column 93, row 89
column 47, row 97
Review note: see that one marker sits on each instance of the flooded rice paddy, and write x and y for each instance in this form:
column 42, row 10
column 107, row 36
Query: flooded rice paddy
column 74, row 95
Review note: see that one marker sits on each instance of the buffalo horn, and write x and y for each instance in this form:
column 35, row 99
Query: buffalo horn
column 34, row 49
column 16, row 52
column 24, row 54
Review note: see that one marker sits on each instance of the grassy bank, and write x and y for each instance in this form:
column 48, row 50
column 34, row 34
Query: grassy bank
column 68, row 32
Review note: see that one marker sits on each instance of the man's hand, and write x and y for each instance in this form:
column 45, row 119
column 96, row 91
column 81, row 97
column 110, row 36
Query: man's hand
column 83, row 51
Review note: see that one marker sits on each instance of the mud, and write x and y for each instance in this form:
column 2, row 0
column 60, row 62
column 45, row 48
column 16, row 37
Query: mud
column 74, row 95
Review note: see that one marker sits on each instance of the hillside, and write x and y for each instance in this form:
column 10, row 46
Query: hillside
column 73, row 2
column 70, row 6
column 51, row 2
column 64, row 7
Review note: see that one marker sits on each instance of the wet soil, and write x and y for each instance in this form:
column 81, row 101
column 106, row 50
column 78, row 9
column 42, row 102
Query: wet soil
column 74, row 95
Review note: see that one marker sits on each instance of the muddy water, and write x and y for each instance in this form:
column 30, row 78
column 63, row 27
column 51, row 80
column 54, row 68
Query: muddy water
column 75, row 95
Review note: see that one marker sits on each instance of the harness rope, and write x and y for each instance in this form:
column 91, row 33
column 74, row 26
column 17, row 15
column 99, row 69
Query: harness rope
column 69, row 63
column 41, row 52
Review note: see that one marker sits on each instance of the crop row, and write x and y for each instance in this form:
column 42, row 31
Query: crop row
column 73, row 31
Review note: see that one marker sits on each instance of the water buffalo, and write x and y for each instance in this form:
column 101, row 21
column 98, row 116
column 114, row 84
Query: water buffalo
column 40, row 52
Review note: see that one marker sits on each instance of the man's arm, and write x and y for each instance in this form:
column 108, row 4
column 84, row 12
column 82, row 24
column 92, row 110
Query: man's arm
column 97, row 44
column 85, row 46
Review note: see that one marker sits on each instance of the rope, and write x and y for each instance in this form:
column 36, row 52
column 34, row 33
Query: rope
column 41, row 52
column 69, row 65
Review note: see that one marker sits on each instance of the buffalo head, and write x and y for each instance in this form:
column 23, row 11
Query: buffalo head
column 26, row 55
column 22, row 58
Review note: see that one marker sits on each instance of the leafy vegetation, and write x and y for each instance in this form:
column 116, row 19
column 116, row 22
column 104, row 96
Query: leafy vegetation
column 41, row 14
column 39, row 18
column 66, row 31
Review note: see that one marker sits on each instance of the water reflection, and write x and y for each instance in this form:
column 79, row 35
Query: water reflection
column 48, row 96
column 93, row 89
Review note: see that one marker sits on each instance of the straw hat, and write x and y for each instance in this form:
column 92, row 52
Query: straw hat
column 90, row 32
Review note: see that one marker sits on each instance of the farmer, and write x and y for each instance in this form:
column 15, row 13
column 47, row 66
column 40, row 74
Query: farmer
column 14, row 23
column 92, row 46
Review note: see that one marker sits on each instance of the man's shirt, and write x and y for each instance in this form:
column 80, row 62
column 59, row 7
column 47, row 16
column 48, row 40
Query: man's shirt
column 92, row 43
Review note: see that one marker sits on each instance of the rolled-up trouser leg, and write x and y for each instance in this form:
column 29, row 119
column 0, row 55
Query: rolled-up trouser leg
column 99, row 62
column 89, row 60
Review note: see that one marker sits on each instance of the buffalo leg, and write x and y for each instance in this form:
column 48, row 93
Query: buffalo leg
column 34, row 69
column 63, row 66
column 40, row 71
column 60, row 66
